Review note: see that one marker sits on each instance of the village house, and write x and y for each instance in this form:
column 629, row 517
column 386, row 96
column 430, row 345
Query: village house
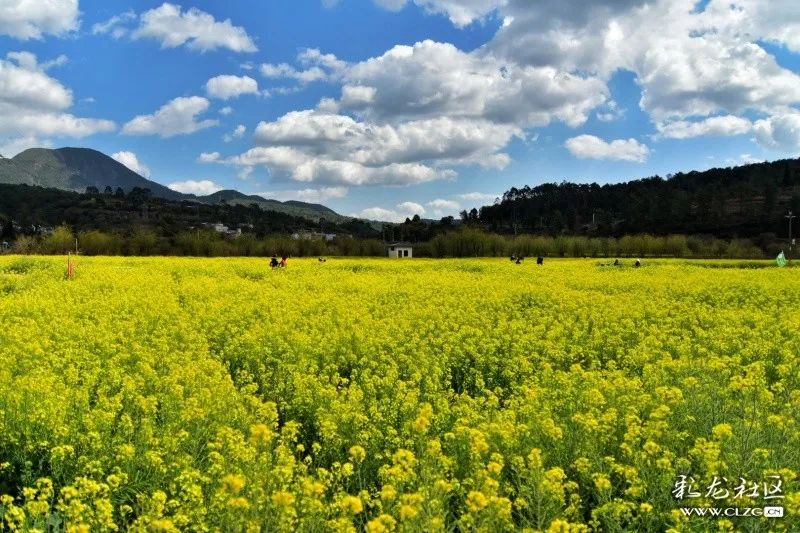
column 400, row 250
column 224, row 230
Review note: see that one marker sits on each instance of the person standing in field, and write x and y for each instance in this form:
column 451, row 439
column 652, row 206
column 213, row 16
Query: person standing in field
column 638, row 263
column 274, row 261
column 283, row 262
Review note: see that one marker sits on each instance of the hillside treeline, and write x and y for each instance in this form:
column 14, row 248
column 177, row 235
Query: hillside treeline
column 745, row 201
column 199, row 243
column 470, row 242
column 121, row 212
column 464, row 242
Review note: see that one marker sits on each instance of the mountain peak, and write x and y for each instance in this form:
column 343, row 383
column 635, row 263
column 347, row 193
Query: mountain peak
column 75, row 169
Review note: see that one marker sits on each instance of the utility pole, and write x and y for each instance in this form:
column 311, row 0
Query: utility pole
column 790, row 216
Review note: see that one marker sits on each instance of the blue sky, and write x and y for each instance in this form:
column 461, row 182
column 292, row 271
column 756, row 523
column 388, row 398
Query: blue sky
column 387, row 108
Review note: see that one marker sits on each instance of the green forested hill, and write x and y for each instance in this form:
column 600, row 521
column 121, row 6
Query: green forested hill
column 75, row 169
column 744, row 201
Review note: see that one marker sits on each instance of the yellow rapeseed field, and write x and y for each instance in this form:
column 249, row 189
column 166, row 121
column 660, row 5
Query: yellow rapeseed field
column 154, row 394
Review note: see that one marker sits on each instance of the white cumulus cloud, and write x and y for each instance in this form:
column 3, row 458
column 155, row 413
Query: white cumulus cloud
column 441, row 203
column 478, row 196
column 115, row 26
column 34, row 105
column 317, row 146
column 422, row 110
column 412, row 208
column 592, row 147
column 176, row 117
column 780, row 133
column 170, row 25
column 31, row 19
column 460, row 12
column 702, row 66
column 208, row 157
column 300, row 166
column 237, row 133
column 401, row 212
column 431, row 79
column 441, row 207
column 29, row 61
column 379, row 213
column 727, row 125
column 200, row 188
column 315, row 66
column 226, row 87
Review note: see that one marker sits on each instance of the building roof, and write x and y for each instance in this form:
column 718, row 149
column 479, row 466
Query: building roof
column 400, row 244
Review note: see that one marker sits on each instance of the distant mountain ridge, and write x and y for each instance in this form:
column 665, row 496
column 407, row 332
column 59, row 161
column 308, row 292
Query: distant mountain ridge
column 75, row 169
column 291, row 207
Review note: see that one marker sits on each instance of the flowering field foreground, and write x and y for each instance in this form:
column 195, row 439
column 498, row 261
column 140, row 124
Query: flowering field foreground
column 219, row 395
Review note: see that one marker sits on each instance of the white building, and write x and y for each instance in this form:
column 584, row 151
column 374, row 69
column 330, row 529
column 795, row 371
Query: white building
column 400, row 250
column 314, row 236
column 224, row 230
